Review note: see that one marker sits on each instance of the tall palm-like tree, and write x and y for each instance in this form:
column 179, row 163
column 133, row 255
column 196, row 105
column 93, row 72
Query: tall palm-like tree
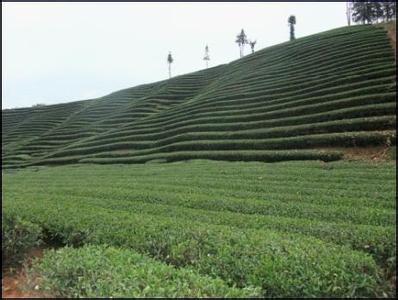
column 170, row 61
column 291, row 22
column 241, row 39
column 207, row 56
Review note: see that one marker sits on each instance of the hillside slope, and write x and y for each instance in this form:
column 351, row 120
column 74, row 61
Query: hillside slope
column 332, row 89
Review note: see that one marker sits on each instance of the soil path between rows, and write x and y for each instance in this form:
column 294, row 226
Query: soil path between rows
column 14, row 281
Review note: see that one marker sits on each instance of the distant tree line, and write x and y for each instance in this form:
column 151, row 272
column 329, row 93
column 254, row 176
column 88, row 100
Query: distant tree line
column 370, row 12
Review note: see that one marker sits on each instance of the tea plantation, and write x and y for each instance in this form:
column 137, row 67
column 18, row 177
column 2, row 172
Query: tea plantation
column 167, row 189
column 278, row 230
column 285, row 102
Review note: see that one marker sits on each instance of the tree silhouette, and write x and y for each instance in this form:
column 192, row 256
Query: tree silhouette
column 207, row 56
column 241, row 39
column 367, row 12
column 377, row 11
column 363, row 11
column 170, row 61
column 389, row 9
column 292, row 22
column 252, row 44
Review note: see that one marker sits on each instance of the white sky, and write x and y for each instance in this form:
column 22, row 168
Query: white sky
column 63, row 52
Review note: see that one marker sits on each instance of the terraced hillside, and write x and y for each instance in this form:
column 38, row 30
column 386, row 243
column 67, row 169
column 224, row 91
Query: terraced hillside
column 333, row 89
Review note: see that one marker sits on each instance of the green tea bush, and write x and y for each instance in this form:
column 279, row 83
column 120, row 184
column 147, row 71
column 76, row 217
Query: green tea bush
column 139, row 135
column 18, row 236
column 101, row 271
column 393, row 153
column 283, row 265
column 265, row 156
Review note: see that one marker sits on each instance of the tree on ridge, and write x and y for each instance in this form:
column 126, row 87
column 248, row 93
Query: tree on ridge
column 292, row 21
column 170, row 61
column 207, row 56
column 252, row 44
column 367, row 12
column 363, row 11
column 389, row 9
column 377, row 12
column 241, row 39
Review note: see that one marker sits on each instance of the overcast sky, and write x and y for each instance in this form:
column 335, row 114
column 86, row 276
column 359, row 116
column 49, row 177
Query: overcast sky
column 63, row 52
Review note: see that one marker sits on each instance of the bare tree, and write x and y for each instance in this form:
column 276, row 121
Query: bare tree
column 252, row 44
column 170, row 61
column 207, row 56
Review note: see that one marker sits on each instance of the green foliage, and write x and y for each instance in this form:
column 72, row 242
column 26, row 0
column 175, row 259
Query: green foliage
column 254, row 135
column 264, row 156
column 272, row 226
column 393, row 153
column 373, row 11
column 100, row 271
column 292, row 22
column 363, row 11
column 139, row 135
column 291, row 229
column 250, row 258
column 18, row 237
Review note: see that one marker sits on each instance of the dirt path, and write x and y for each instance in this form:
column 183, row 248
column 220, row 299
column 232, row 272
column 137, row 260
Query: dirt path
column 373, row 153
column 391, row 31
column 14, row 281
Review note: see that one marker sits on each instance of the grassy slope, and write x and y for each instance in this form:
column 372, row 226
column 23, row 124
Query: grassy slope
column 331, row 89
column 291, row 229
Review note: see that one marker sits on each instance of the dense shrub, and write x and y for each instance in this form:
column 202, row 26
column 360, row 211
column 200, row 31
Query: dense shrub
column 283, row 265
column 18, row 236
column 393, row 153
column 100, row 271
column 292, row 228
